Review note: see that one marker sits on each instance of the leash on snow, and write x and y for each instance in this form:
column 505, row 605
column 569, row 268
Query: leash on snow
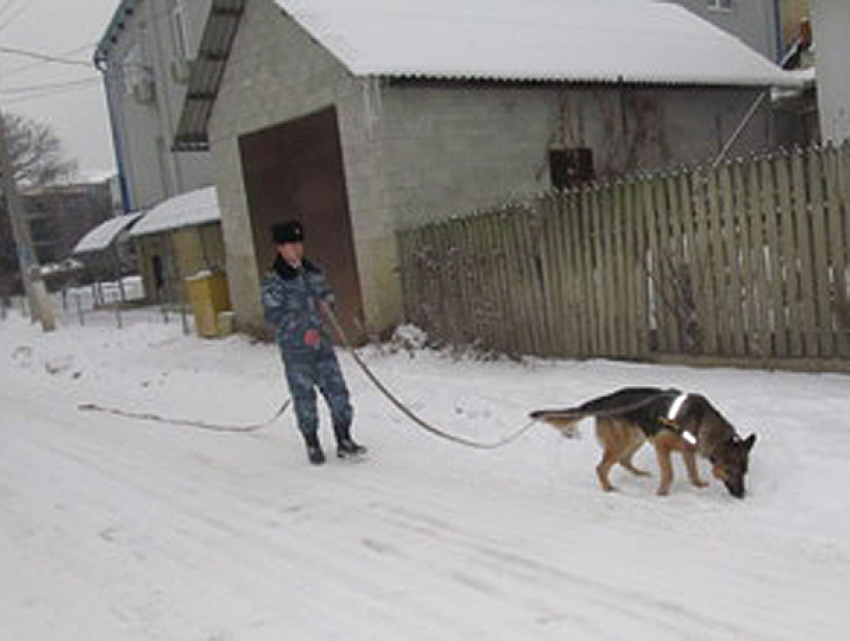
column 147, row 416
column 404, row 409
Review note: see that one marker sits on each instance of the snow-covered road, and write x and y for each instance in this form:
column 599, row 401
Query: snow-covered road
column 112, row 528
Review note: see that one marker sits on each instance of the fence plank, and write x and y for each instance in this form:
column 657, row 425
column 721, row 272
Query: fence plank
column 759, row 291
column 843, row 164
column 674, row 242
column 594, row 285
column 790, row 272
column 743, row 216
column 837, row 222
column 613, row 235
column 820, row 254
column 715, row 277
column 632, row 317
column 773, row 260
column 501, row 268
column 577, row 237
column 693, row 263
column 667, row 335
column 529, row 259
column 731, row 232
column 566, row 328
column 806, row 302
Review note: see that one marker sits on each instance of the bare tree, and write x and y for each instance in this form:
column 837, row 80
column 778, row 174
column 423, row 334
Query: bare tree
column 36, row 152
column 38, row 160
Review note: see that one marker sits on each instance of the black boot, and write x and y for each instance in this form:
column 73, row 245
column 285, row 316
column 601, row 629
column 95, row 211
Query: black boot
column 314, row 449
column 346, row 447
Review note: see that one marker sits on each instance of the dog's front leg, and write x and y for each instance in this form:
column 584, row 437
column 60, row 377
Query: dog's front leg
column 693, row 471
column 662, row 451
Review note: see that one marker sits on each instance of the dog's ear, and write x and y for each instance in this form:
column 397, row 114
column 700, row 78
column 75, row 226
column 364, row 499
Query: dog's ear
column 750, row 441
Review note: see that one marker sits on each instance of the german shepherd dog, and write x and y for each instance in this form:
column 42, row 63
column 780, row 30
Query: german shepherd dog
column 671, row 421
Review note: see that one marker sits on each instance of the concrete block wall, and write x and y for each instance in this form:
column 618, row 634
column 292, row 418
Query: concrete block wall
column 277, row 73
column 452, row 149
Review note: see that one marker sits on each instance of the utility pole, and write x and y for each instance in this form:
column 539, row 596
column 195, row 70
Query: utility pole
column 34, row 286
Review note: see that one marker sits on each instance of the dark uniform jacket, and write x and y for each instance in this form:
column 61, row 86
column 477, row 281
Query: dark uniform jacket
column 291, row 298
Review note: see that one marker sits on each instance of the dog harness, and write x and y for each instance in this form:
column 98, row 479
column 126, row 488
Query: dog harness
column 671, row 419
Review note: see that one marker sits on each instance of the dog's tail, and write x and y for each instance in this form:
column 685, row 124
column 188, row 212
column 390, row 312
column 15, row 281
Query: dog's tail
column 564, row 420
column 617, row 404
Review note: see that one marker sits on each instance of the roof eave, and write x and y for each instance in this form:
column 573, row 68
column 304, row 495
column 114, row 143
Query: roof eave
column 101, row 53
column 394, row 77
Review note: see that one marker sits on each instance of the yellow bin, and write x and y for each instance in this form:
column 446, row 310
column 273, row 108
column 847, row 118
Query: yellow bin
column 208, row 296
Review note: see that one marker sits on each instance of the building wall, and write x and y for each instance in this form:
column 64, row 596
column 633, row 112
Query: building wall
column 449, row 149
column 831, row 22
column 145, row 77
column 752, row 21
column 184, row 252
column 276, row 73
column 60, row 216
column 416, row 151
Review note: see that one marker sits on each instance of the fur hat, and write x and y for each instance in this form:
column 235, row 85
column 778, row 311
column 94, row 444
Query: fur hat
column 288, row 232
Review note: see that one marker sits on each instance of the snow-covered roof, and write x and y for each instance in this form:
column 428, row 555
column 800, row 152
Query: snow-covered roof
column 635, row 41
column 105, row 234
column 186, row 210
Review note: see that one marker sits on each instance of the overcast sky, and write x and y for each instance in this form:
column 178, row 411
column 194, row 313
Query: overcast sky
column 77, row 112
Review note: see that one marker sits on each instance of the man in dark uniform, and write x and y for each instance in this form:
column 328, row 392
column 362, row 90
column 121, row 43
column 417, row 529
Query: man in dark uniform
column 295, row 295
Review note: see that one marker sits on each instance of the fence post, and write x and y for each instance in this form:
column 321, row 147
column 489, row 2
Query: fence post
column 79, row 309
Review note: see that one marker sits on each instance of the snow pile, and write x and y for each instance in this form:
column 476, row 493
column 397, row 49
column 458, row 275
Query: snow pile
column 117, row 528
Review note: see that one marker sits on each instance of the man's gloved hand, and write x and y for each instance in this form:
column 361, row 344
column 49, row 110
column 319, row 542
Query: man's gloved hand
column 312, row 337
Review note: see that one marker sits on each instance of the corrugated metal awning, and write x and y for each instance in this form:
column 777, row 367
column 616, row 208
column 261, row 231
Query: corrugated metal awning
column 194, row 208
column 106, row 234
column 571, row 41
column 207, row 71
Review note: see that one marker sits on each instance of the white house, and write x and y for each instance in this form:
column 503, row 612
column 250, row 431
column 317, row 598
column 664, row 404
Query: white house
column 145, row 55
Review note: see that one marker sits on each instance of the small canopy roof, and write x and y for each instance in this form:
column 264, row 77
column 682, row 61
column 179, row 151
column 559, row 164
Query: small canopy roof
column 193, row 208
column 106, row 234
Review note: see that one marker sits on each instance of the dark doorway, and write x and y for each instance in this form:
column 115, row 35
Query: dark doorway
column 295, row 170
column 158, row 270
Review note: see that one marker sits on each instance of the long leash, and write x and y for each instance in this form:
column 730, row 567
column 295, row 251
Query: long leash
column 404, row 409
column 213, row 427
column 401, row 406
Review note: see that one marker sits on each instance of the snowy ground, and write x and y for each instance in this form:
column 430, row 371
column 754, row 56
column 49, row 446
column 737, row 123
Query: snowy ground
column 113, row 528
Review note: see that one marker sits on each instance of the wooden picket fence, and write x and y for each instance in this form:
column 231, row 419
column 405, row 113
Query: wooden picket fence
column 748, row 261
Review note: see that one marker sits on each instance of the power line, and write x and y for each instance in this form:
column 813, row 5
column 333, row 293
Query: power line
column 45, row 57
column 62, row 58
column 48, row 86
column 34, row 65
column 49, row 93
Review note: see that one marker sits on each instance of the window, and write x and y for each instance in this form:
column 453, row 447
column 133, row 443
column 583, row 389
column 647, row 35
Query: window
column 133, row 68
column 178, row 27
column 720, row 5
column 570, row 168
